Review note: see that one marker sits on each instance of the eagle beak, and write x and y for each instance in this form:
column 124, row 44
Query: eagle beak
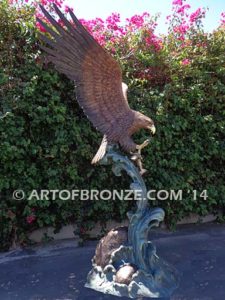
column 152, row 129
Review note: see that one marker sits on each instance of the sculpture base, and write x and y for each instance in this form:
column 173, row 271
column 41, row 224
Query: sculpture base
column 126, row 263
column 158, row 282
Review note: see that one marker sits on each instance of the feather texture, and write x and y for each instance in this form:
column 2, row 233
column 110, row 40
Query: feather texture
column 97, row 76
column 98, row 80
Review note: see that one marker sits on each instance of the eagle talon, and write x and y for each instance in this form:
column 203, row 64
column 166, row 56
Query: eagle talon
column 143, row 171
column 143, row 145
column 136, row 156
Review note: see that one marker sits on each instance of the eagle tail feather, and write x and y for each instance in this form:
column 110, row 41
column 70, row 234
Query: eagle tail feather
column 101, row 151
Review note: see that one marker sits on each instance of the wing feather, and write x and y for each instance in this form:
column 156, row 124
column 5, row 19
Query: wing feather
column 97, row 76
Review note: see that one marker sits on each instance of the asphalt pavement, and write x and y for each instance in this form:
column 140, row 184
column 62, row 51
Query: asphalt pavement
column 58, row 270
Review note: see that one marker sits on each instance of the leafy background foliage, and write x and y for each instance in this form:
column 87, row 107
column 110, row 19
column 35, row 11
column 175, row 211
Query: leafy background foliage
column 46, row 141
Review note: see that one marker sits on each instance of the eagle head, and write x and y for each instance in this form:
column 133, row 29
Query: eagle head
column 142, row 121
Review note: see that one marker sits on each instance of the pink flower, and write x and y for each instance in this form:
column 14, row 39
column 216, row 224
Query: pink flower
column 222, row 18
column 195, row 15
column 66, row 9
column 44, row 2
column 40, row 27
column 112, row 21
column 182, row 29
column 177, row 2
column 137, row 20
column 185, row 62
column 30, row 219
column 182, row 9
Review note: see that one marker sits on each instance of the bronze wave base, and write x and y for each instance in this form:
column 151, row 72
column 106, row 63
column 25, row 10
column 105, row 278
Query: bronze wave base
column 125, row 262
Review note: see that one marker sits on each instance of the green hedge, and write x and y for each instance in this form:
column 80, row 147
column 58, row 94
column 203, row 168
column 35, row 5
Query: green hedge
column 46, row 142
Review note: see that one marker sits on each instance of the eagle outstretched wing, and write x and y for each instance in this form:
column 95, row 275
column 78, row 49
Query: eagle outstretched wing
column 97, row 75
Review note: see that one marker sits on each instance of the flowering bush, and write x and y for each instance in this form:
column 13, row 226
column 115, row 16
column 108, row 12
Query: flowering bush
column 222, row 18
column 47, row 142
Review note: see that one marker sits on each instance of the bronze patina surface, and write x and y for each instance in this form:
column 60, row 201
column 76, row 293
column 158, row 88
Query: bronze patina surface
column 98, row 80
column 125, row 261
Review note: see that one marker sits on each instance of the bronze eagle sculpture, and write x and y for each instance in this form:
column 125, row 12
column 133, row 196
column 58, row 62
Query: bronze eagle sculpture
column 98, row 81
